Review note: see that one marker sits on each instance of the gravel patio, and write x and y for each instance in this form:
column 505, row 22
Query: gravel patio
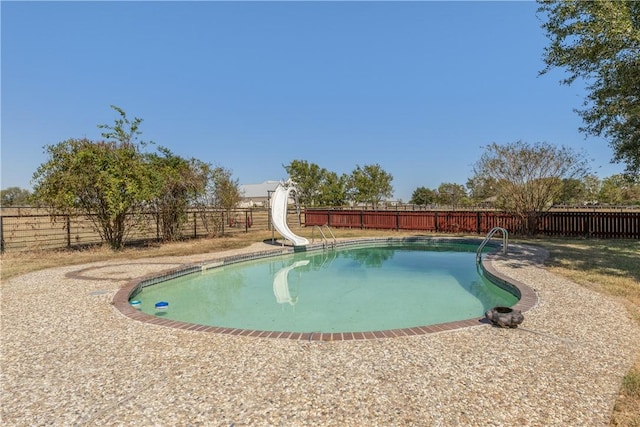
column 70, row 358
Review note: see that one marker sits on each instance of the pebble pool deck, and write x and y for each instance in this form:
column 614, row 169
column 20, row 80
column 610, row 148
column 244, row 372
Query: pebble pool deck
column 70, row 357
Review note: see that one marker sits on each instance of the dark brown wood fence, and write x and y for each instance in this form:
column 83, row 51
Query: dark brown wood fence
column 604, row 225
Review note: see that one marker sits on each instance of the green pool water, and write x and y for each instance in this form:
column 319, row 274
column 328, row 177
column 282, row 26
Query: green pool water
column 345, row 290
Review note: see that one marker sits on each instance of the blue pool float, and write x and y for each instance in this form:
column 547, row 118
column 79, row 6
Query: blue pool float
column 162, row 305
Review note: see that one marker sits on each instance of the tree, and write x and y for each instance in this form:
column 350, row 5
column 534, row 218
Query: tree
column 423, row 196
column 106, row 180
column 572, row 191
column 333, row 190
column 226, row 190
column 123, row 130
column 222, row 192
column 452, row 194
column 591, row 187
column 370, row 184
column 599, row 42
column 307, row 177
column 176, row 183
column 617, row 190
column 481, row 189
column 14, row 196
column 528, row 177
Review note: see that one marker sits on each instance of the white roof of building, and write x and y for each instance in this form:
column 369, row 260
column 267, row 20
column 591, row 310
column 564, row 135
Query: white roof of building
column 251, row 191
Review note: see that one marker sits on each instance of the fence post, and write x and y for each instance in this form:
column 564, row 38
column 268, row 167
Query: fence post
column 1, row 235
column 361, row 219
column 587, row 226
column 436, row 221
column 195, row 226
column 478, row 219
column 246, row 218
column 68, row 232
column 269, row 225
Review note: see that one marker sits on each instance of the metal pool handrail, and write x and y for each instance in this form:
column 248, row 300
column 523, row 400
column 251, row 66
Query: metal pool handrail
column 324, row 238
column 494, row 230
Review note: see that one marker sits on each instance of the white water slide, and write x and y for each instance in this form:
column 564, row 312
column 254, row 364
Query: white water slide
column 279, row 204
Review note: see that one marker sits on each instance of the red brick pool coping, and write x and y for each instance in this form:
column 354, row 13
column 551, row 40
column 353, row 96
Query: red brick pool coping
column 528, row 299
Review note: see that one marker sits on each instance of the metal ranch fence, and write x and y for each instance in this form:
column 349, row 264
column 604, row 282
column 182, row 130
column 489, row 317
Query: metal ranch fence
column 25, row 229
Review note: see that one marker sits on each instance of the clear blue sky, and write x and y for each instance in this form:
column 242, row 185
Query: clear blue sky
column 417, row 87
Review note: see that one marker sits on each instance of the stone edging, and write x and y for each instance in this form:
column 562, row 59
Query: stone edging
column 528, row 297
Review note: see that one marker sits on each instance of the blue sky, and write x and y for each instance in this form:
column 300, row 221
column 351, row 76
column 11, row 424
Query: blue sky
column 417, row 87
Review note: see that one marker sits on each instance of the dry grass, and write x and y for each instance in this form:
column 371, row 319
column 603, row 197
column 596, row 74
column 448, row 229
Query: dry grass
column 17, row 263
column 611, row 267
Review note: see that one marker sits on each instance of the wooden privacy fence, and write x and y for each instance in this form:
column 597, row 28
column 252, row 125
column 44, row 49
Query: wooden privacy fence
column 604, row 225
column 436, row 221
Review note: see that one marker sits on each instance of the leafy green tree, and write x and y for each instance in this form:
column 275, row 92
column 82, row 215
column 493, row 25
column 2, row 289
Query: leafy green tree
column 452, row 194
column 106, row 180
column 123, row 131
column 176, row 183
column 599, row 42
column 333, row 190
column 222, row 192
column 308, row 178
column 528, row 177
column 481, row 189
column 572, row 191
column 15, row 196
column 370, row 184
column 226, row 190
column 423, row 196
column 618, row 190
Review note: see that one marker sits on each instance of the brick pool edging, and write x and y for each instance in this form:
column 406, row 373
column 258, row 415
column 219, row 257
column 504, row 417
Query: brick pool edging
column 528, row 296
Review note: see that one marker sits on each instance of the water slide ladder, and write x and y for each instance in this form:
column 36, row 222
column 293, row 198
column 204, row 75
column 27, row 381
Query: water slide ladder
column 325, row 242
column 494, row 230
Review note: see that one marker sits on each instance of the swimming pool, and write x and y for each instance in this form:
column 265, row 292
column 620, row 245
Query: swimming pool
column 387, row 285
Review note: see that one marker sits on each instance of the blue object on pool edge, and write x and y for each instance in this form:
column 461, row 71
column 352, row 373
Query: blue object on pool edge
column 162, row 305
column 136, row 304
